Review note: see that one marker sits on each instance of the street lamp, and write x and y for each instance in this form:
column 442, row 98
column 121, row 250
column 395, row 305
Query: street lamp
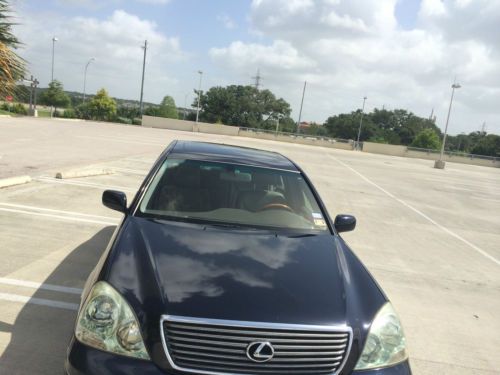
column 361, row 122
column 439, row 164
column 199, row 92
column 85, row 76
column 54, row 40
column 185, row 106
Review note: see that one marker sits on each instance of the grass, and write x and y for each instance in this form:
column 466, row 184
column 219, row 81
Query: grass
column 43, row 112
column 2, row 112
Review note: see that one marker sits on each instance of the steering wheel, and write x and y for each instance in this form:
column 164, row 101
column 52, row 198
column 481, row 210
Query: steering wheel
column 272, row 206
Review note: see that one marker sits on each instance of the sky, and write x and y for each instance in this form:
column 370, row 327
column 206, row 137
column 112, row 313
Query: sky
column 398, row 53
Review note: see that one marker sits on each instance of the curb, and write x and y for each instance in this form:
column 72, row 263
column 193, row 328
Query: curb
column 74, row 173
column 11, row 181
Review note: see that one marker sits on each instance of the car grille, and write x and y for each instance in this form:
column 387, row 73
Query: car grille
column 207, row 346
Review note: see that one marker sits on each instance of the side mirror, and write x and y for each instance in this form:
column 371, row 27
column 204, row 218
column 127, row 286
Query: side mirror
column 116, row 200
column 344, row 223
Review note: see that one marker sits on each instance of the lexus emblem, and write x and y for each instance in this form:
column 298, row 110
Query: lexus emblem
column 260, row 351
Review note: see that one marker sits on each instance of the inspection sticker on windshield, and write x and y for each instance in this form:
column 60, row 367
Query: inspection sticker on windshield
column 318, row 219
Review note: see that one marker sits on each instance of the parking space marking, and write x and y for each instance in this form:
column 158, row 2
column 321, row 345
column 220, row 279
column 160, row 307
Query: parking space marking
column 83, row 184
column 444, row 229
column 122, row 140
column 59, row 217
column 35, row 285
column 38, row 301
column 131, row 171
column 73, row 213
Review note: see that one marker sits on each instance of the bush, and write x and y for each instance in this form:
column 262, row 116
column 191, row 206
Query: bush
column 69, row 113
column 19, row 109
column 137, row 121
column 122, row 120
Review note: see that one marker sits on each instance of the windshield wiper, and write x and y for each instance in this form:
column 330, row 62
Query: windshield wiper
column 301, row 235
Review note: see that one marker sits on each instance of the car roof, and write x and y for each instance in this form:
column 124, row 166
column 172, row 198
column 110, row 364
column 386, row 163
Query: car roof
column 222, row 153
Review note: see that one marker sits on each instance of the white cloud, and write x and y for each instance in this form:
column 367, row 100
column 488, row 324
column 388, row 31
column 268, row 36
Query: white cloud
column 162, row 2
column 226, row 21
column 114, row 42
column 348, row 49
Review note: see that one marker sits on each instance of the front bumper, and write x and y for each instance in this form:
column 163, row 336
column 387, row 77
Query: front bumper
column 84, row 360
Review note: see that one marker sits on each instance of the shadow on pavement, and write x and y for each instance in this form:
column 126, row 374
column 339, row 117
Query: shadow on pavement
column 40, row 334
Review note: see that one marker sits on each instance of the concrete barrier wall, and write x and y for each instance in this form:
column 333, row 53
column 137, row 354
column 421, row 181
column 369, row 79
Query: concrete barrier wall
column 451, row 158
column 204, row 127
column 381, row 148
column 375, row 148
column 167, row 123
column 344, row 146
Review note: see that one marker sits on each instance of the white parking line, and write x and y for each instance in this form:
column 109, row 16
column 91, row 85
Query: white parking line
column 38, row 301
column 444, row 229
column 83, row 184
column 59, row 217
column 72, row 213
column 131, row 171
column 35, row 285
column 122, row 140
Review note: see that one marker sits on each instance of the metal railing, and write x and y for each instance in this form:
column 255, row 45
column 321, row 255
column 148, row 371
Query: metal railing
column 455, row 154
column 295, row 135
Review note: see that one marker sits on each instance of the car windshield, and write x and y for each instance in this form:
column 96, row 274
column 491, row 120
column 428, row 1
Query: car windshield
column 229, row 194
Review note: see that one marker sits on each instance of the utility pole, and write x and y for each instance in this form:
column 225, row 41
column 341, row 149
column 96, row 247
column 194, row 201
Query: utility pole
column 145, row 47
column 257, row 79
column 185, row 106
column 483, row 127
column 85, row 77
column 33, row 85
column 199, row 94
column 439, row 164
column 301, row 105
column 361, row 122
column 54, row 40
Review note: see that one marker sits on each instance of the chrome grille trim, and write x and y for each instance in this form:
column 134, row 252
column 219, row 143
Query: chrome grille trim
column 218, row 347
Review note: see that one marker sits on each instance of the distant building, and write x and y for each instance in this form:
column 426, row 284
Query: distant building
column 304, row 125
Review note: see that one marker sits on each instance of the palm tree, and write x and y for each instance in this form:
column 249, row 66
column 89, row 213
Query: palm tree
column 12, row 67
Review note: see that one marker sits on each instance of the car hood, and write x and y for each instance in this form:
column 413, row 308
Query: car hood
column 185, row 269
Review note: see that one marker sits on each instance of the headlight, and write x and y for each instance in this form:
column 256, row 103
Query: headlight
column 386, row 343
column 106, row 322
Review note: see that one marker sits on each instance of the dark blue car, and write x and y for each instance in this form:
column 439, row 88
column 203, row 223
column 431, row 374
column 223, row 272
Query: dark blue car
column 227, row 262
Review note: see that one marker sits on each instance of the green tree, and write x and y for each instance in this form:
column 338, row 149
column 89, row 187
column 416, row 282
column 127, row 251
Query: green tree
column 427, row 138
column 102, row 107
column 168, row 108
column 12, row 67
column 487, row 145
column 55, row 96
column 346, row 126
column 242, row 106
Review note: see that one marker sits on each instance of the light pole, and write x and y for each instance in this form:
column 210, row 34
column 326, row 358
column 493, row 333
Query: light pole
column 199, row 93
column 439, row 164
column 361, row 122
column 185, row 106
column 301, row 105
column 145, row 48
column 85, row 76
column 54, row 40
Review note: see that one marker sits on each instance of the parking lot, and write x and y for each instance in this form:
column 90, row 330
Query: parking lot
column 430, row 237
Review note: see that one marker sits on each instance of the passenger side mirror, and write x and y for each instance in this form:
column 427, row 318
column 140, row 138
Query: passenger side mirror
column 116, row 200
column 344, row 223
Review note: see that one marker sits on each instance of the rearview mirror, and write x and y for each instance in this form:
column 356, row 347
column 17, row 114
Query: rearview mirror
column 116, row 200
column 344, row 223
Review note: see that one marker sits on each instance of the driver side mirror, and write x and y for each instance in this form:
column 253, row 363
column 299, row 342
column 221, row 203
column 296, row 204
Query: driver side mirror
column 344, row 223
column 116, row 200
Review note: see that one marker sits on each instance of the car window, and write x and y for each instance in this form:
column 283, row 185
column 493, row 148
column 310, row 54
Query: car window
column 232, row 194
